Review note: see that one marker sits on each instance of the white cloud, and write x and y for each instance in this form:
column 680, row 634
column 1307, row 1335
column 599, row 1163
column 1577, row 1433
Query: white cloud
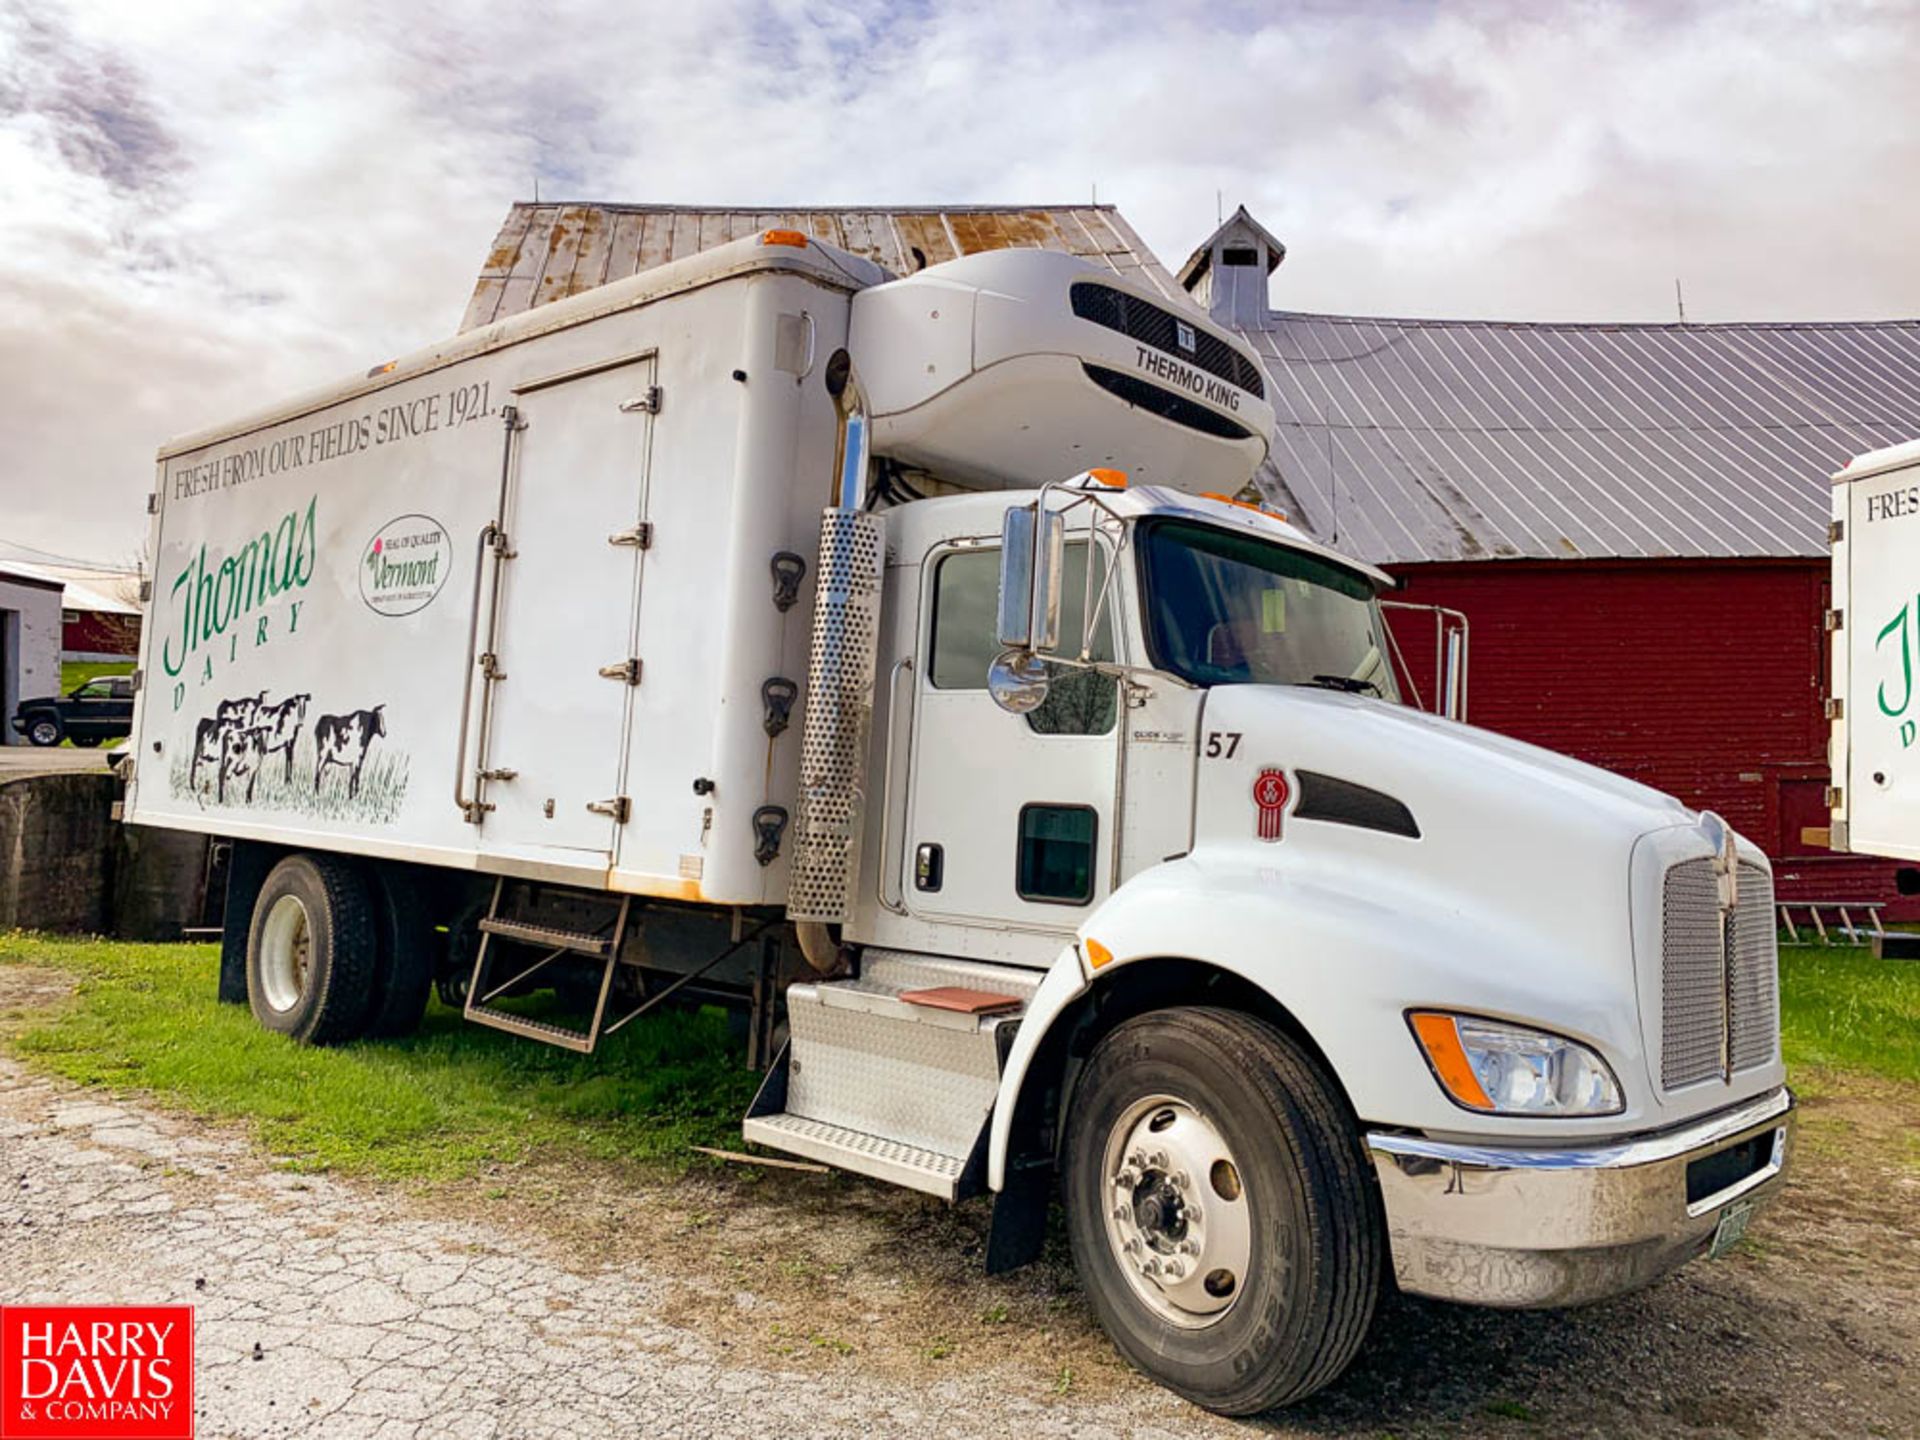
column 207, row 205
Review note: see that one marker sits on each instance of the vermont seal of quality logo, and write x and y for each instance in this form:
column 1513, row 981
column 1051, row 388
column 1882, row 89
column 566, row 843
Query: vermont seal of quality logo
column 405, row 565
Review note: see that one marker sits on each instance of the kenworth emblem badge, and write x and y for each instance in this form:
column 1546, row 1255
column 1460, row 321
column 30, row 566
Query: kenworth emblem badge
column 1270, row 800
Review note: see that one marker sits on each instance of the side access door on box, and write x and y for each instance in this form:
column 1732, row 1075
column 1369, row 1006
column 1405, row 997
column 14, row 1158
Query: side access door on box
column 569, row 605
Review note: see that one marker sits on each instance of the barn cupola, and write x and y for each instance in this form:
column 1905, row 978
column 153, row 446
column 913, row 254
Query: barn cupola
column 1227, row 275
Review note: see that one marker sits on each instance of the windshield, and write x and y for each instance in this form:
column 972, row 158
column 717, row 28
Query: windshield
column 1230, row 609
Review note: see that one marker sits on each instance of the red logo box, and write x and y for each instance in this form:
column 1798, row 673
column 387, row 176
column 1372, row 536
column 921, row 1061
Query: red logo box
column 96, row 1372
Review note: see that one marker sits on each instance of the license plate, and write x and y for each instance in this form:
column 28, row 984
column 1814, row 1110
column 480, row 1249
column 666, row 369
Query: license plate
column 1730, row 1230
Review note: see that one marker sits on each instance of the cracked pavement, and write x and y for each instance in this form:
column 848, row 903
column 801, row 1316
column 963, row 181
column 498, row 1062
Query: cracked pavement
column 325, row 1310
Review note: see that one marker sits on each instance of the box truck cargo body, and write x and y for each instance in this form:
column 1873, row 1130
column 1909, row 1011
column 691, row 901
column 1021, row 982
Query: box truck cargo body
column 1873, row 716
column 893, row 652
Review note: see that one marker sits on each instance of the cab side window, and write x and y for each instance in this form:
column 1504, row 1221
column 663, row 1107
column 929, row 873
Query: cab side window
column 966, row 592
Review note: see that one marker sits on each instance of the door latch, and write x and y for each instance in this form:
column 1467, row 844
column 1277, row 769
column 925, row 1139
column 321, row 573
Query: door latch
column 627, row 670
column 647, row 402
column 777, row 695
column 640, row 536
column 929, row 867
column 769, row 824
column 619, row 809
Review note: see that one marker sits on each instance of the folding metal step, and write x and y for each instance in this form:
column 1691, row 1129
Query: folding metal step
column 499, row 932
column 578, row 941
column 882, row 1079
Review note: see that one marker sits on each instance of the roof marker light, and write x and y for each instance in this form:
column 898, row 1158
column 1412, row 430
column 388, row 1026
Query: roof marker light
column 1112, row 479
column 796, row 238
column 1258, row 507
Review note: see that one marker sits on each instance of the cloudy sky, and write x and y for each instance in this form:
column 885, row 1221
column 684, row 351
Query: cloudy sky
column 205, row 205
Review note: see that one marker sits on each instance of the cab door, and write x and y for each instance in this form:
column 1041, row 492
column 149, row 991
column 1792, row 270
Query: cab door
column 1010, row 817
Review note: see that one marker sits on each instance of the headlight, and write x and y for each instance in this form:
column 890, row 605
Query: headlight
column 1504, row 1069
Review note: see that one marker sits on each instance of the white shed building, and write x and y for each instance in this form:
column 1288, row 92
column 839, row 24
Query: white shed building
column 29, row 642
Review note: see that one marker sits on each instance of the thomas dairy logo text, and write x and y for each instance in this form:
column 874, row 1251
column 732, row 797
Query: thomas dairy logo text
column 214, row 599
column 404, row 565
column 96, row 1372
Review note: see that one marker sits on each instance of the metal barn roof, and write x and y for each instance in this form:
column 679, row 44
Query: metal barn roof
column 1429, row 440
column 547, row 252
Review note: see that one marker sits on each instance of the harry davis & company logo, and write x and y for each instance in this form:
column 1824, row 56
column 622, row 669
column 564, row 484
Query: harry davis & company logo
column 96, row 1372
column 405, row 565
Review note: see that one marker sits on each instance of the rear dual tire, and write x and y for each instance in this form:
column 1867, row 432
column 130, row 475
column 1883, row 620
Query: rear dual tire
column 1223, row 1220
column 335, row 954
column 310, row 950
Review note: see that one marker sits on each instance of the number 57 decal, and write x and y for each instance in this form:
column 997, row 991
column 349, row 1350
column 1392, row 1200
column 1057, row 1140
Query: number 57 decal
column 1223, row 742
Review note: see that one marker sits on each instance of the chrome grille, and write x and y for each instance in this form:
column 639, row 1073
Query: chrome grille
column 1753, row 982
column 1719, row 988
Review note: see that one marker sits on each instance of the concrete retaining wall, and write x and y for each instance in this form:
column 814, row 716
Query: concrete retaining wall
column 67, row 865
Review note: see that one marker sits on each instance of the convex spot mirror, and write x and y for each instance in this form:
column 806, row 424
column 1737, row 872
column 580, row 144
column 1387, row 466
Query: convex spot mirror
column 1033, row 557
column 1018, row 681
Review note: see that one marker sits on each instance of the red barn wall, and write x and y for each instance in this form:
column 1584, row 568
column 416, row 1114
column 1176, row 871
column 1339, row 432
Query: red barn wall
column 95, row 632
column 1703, row 678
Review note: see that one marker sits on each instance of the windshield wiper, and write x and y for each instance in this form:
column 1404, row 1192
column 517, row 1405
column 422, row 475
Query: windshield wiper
column 1352, row 685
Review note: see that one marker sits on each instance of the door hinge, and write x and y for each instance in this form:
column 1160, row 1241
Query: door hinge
column 489, row 664
column 620, row 808
column 1836, row 708
column 1834, row 620
column 153, row 502
column 1833, row 797
column 498, row 774
column 146, row 591
column 647, row 402
column 139, row 679
column 640, row 536
column 1836, row 531
column 627, row 670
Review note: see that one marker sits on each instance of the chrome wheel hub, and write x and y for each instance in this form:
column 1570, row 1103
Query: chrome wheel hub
column 1176, row 1215
column 286, row 953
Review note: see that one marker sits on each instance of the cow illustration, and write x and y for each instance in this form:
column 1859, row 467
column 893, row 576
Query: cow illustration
column 343, row 740
column 279, row 727
column 242, row 752
column 239, row 714
column 206, row 751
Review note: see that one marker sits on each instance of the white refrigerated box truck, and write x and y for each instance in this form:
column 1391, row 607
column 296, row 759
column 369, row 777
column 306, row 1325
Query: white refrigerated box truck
column 1874, row 623
column 766, row 623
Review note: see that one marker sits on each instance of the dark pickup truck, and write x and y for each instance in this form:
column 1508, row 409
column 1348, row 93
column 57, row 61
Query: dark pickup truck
column 99, row 710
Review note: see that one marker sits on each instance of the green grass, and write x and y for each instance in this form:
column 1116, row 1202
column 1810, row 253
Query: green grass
column 78, row 672
column 1842, row 1009
column 456, row 1097
column 440, row 1104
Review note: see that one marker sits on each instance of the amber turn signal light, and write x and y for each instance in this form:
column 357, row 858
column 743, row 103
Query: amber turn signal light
column 1439, row 1037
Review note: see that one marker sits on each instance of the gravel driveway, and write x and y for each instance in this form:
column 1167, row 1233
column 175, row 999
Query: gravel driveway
column 328, row 1308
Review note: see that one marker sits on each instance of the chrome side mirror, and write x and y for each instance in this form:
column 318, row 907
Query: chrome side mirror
column 1018, row 681
column 1033, row 557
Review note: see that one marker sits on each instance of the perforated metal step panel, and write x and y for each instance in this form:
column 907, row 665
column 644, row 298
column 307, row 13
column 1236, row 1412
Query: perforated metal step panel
column 890, row 1088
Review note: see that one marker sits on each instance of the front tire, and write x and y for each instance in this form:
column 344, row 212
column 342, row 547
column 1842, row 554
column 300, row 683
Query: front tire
column 44, row 730
column 311, row 954
column 1224, row 1223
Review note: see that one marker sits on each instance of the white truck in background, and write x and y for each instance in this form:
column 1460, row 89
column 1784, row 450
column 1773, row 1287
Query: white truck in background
column 766, row 625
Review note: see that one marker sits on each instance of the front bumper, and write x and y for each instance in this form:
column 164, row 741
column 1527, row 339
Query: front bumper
column 1524, row 1226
